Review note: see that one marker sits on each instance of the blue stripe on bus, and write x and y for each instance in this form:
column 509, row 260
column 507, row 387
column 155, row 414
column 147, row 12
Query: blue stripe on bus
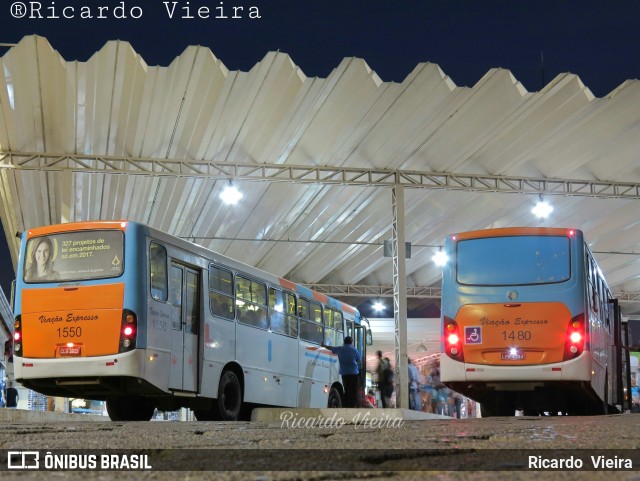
column 305, row 291
column 321, row 357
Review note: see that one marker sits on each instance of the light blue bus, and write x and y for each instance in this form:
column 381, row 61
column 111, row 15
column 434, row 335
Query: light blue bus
column 528, row 323
column 122, row 312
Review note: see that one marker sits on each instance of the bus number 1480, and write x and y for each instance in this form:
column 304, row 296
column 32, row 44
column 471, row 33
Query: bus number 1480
column 516, row 335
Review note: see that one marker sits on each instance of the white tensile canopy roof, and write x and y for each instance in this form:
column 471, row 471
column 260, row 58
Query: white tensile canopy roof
column 114, row 138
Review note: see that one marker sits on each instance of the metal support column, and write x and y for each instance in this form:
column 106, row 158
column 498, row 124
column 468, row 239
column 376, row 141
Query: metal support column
column 400, row 297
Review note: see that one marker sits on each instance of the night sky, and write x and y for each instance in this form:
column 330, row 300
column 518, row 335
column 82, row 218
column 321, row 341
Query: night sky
column 597, row 40
column 535, row 39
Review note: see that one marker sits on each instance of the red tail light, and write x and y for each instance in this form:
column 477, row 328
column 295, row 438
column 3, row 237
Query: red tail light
column 17, row 336
column 452, row 342
column 128, row 331
column 576, row 337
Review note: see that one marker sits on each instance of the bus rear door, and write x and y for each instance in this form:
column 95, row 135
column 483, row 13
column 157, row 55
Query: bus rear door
column 184, row 293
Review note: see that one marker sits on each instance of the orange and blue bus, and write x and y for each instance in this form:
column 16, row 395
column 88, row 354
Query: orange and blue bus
column 529, row 324
column 121, row 312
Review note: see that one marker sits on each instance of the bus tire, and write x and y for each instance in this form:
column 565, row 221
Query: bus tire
column 487, row 411
column 114, row 409
column 130, row 409
column 498, row 407
column 335, row 399
column 143, row 409
column 229, row 402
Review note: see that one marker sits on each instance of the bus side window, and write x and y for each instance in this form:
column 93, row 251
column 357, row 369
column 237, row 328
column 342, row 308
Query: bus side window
column 337, row 325
column 292, row 317
column 158, row 271
column 593, row 292
column 176, row 298
column 251, row 302
column 333, row 335
column 193, row 303
column 603, row 300
column 276, row 310
column 310, row 321
column 329, row 335
column 282, row 312
column 303, row 314
column 221, row 292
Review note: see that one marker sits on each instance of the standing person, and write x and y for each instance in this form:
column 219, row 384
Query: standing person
column 3, row 385
column 456, row 403
column 349, row 358
column 414, row 387
column 11, row 396
column 440, row 393
column 635, row 397
column 427, row 393
column 385, row 380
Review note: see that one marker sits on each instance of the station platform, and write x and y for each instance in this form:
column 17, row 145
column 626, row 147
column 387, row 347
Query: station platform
column 11, row 415
column 342, row 415
column 299, row 416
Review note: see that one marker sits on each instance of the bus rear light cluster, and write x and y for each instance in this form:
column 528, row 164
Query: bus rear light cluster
column 576, row 334
column 452, row 340
column 128, row 331
column 17, row 336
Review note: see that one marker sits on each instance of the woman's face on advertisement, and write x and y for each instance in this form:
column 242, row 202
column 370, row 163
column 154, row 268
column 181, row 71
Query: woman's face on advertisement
column 42, row 253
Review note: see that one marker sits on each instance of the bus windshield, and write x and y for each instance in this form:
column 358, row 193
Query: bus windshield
column 517, row 260
column 74, row 256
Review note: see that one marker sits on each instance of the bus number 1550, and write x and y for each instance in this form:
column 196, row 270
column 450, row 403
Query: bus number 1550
column 69, row 332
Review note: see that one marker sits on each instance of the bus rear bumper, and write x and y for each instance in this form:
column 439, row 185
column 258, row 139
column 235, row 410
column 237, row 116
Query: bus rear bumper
column 578, row 369
column 79, row 376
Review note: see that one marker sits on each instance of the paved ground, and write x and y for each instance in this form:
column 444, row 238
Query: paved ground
column 324, row 445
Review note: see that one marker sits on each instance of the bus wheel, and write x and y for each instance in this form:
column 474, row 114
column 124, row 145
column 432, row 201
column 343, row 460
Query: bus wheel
column 229, row 401
column 130, row 409
column 487, row 411
column 143, row 409
column 114, row 409
column 335, row 400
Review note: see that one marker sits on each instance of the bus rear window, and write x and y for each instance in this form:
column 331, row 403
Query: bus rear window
column 74, row 256
column 518, row 260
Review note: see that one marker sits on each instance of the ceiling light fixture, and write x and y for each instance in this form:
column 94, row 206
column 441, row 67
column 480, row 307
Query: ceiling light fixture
column 230, row 195
column 378, row 305
column 440, row 258
column 542, row 208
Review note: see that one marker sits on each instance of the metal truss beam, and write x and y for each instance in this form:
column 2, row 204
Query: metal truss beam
column 360, row 290
column 302, row 174
column 355, row 290
column 627, row 297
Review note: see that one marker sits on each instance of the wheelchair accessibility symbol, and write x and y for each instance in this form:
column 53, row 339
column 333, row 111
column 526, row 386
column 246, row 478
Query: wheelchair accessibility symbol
column 473, row 335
